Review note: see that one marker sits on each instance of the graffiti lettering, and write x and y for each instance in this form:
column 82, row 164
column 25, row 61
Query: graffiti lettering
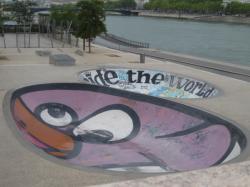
column 161, row 84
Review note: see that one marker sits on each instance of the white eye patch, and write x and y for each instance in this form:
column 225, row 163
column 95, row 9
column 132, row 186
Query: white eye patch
column 115, row 121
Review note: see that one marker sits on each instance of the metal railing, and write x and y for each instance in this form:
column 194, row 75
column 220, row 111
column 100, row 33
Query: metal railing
column 123, row 41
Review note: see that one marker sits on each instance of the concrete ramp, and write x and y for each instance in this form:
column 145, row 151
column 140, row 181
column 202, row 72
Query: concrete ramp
column 150, row 82
column 95, row 127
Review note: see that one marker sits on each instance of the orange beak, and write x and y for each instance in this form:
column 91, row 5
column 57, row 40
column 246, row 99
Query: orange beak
column 61, row 144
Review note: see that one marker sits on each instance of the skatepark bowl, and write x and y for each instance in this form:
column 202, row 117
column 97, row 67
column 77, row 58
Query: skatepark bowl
column 89, row 126
column 149, row 82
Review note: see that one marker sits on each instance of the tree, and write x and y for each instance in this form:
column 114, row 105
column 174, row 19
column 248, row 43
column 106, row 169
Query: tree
column 1, row 17
column 63, row 13
column 64, row 17
column 122, row 4
column 186, row 6
column 1, row 13
column 21, row 10
column 90, row 20
column 127, row 4
column 238, row 8
column 109, row 4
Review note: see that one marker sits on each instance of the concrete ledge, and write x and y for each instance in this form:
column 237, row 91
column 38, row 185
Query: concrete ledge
column 226, row 175
column 43, row 53
column 61, row 60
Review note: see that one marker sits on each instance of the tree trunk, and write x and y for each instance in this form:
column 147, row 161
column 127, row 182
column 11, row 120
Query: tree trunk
column 77, row 41
column 54, row 29
column 38, row 36
column 30, row 33
column 83, row 40
column 61, row 30
column 3, row 36
column 16, row 36
column 24, row 34
column 89, row 45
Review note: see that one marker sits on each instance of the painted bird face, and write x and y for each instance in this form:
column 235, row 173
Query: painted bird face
column 94, row 126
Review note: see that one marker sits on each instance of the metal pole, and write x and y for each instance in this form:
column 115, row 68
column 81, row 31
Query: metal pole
column 3, row 37
column 61, row 30
column 77, row 41
column 142, row 58
column 24, row 31
column 68, row 33
column 48, row 30
column 63, row 40
column 38, row 36
column 16, row 35
column 30, row 33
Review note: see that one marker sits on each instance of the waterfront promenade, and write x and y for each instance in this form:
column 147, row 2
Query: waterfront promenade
column 228, row 69
column 21, row 167
column 198, row 17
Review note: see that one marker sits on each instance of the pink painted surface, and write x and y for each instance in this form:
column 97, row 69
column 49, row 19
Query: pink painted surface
column 85, row 103
column 195, row 150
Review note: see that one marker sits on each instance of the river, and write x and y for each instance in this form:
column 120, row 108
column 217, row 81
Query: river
column 217, row 41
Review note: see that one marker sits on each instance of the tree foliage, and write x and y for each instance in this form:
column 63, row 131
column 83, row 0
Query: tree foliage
column 1, row 14
column 63, row 13
column 127, row 4
column 87, row 18
column 238, row 8
column 199, row 6
column 90, row 19
column 120, row 4
column 22, row 10
column 188, row 6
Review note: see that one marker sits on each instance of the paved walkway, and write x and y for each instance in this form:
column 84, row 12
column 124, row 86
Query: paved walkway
column 21, row 167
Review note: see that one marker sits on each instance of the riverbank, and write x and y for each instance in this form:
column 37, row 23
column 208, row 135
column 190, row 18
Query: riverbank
column 223, row 68
column 198, row 17
column 217, row 41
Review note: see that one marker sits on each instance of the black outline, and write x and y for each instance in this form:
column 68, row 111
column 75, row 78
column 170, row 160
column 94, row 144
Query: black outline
column 132, row 114
column 43, row 106
column 185, row 132
column 78, row 143
column 77, row 146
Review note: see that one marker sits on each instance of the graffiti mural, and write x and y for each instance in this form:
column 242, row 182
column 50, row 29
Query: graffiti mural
column 95, row 126
column 149, row 82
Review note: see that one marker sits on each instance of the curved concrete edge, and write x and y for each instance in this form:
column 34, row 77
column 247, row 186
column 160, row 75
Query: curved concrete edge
column 227, row 175
column 63, row 86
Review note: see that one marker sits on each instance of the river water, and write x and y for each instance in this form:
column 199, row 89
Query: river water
column 218, row 41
